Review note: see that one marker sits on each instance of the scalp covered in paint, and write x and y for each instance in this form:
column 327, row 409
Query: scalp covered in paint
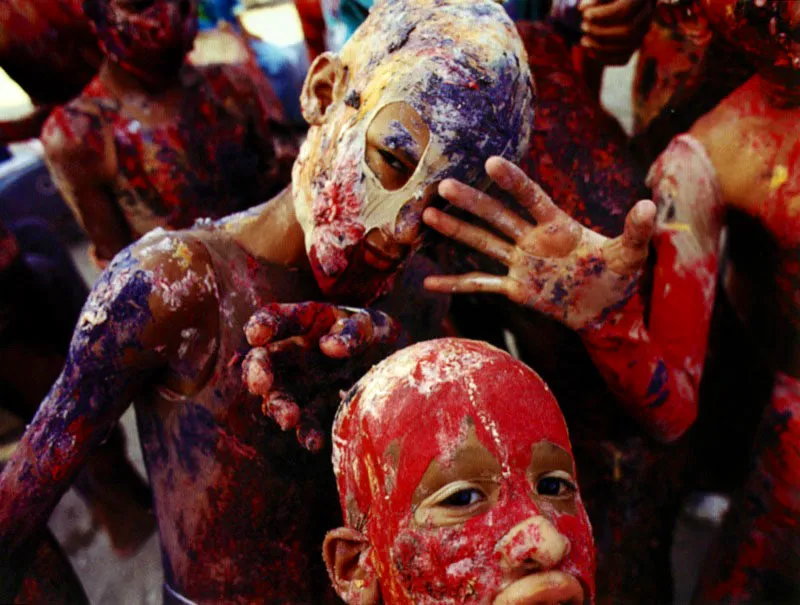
column 422, row 395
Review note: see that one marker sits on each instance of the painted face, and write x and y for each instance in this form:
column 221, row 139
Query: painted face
column 454, row 460
column 147, row 38
column 767, row 30
column 428, row 90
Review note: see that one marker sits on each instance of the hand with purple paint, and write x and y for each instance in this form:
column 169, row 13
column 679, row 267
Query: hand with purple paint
column 555, row 265
column 300, row 349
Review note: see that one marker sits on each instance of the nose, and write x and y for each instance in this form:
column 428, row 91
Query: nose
column 533, row 545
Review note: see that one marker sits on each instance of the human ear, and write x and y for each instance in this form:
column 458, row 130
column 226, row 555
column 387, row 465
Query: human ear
column 345, row 552
column 323, row 86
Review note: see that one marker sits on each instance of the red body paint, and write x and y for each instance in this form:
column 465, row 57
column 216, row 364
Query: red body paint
column 382, row 452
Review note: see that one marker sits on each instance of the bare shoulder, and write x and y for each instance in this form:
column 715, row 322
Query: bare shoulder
column 76, row 134
column 153, row 290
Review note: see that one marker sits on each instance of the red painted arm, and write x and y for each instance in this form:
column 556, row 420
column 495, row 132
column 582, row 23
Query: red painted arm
column 654, row 361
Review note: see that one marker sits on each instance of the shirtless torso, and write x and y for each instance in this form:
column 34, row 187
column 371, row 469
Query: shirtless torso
column 128, row 161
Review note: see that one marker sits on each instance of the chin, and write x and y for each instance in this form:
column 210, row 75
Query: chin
column 544, row 588
column 358, row 285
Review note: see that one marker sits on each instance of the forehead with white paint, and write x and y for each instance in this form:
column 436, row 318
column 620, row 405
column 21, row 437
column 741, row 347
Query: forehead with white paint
column 419, row 405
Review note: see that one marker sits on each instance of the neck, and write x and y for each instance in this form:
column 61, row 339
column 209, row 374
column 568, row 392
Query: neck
column 270, row 232
column 121, row 81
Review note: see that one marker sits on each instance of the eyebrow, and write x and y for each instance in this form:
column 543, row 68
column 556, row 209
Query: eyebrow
column 400, row 139
column 546, row 453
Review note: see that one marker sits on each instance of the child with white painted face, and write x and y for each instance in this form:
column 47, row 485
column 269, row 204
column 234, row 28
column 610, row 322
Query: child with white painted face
column 457, row 482
column 426, row 90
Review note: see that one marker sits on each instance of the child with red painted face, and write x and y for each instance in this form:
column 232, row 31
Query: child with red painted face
column 457, row 483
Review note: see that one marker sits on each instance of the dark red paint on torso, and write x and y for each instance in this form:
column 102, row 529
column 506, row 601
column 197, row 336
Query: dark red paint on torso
column 211, row 158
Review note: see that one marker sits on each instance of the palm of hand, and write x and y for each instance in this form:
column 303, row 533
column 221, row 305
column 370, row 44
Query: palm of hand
column 556, row 266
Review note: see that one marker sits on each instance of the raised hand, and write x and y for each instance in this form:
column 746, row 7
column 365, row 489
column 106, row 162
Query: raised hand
column 556, row 265
column 302, row 351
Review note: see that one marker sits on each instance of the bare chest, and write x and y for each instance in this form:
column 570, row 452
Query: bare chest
column 190, row 158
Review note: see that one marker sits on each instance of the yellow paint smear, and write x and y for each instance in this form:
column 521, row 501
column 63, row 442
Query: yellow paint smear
column 779, row 176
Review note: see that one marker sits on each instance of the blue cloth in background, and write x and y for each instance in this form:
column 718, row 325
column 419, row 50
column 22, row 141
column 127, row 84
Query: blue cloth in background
column 285, row 68
column 211, row 12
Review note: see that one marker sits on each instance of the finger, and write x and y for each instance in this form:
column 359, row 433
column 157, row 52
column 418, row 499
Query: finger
column 627, row 253
column 282, row 409
column 473, row 236
column 310, row 434
column 608, row 49
column 609, row 57
column 352, row 336
column 613, row 13
column 640, row 224
column 257, row 372
column 514, row 180
column 623, row 35
column 484, row 206
column 278, row 321
column 468, row 283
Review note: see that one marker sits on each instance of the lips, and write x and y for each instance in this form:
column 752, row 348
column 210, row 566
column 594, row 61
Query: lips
column 545, row 588
column 381, row 259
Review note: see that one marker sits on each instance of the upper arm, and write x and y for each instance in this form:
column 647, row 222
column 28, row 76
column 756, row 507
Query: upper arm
column 80, row 156
column 127, row 332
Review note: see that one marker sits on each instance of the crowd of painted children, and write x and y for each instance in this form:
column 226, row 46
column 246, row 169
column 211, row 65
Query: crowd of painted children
column 358, row 288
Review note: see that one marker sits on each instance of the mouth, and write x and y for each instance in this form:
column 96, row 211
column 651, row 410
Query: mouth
column 545, row 588
column 381, row 259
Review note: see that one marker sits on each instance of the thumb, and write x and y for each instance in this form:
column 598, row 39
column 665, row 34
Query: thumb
column 627, row 253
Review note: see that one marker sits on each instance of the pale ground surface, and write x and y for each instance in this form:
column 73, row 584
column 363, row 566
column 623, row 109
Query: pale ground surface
column 110, row 580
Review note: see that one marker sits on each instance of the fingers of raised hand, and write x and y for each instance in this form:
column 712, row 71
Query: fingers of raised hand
column 640, row 224
column 484, row 206
column 528, row 193
column 468, row 283
column 279, row 321
column 353, row 335
column 628, row 252
column 617, row 12
column 473, row 236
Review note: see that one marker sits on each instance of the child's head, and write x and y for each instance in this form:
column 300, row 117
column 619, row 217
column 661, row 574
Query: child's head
column 457, row 482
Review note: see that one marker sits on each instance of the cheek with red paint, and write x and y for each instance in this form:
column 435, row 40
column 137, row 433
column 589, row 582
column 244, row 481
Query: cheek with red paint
column 476, row 560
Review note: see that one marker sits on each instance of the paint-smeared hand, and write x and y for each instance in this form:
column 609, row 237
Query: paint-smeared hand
column 613, row 31
column 301, row 349
column 555, row 266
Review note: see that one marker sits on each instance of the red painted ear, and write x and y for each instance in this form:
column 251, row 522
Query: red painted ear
column 323, row 86
column 345, row 552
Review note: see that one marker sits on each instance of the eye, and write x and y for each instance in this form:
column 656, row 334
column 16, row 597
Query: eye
column 556, row 485
column 392, row 161
column 464, row 497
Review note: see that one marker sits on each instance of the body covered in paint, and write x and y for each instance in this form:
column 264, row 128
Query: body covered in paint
column 242, row 507
column 155, row 142
column 479, row 503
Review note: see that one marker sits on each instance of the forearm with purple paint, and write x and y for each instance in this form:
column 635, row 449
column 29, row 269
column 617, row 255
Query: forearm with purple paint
column 653, row 358
column 106, row 360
